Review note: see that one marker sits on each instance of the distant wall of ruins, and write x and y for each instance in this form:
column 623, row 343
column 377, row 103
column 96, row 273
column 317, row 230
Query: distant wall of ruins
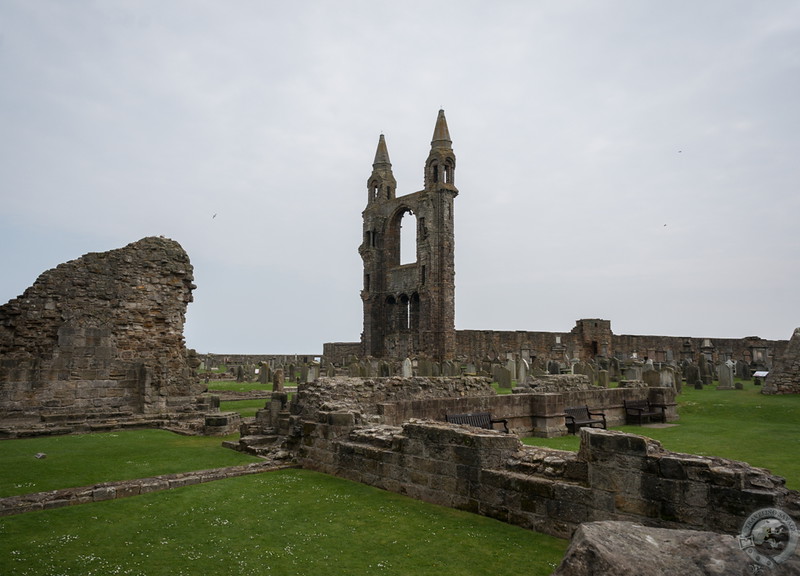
column 592, row 338
column 102, row 334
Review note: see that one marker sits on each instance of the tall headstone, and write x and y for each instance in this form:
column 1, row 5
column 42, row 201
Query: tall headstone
column 705, row 370
column 693, row 376
column 511, row 366
column 277, row 380
column 522, row 372
column 602, row 379
column 407, row 369
column 725, row 376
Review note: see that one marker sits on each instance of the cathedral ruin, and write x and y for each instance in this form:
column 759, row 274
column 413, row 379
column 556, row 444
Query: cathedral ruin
column 101, row 337
column 409, row 308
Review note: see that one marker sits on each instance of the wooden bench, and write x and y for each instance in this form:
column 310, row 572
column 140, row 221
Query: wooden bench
column 577, row 416
column 636, row 411
column 477, row 419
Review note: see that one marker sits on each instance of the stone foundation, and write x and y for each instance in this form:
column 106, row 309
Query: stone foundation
column 614, row 476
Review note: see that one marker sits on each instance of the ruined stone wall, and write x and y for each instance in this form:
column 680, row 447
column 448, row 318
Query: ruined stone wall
column 367, row 397
column 101, row 334
column 339, row 352
column 395, row 400
column 784, row 378
column 480, row 344
column 614, row 476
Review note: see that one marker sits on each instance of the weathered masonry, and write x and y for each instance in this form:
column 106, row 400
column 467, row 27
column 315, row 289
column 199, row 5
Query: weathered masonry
column 409, row 303
column 409, row 309
column 389, row 433
column 100, row 337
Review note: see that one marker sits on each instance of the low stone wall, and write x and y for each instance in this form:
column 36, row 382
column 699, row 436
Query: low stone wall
column 529, row 414
column 395, row 400
column 614, row 476
column 123, row 489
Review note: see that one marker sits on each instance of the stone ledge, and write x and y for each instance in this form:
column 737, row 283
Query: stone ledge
column 125, row 488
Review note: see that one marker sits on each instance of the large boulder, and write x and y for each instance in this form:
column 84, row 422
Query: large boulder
column 629, row 549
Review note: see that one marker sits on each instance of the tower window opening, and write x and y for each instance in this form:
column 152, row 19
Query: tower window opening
column 388, row 192
column 435, row 173
column 448, row 176
column 405, row 313
column 408, row 238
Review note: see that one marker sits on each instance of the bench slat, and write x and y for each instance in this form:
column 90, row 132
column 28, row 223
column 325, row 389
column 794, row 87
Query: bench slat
column 477, row 419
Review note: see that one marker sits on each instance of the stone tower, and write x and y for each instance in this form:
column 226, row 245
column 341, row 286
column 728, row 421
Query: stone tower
column 409, row 309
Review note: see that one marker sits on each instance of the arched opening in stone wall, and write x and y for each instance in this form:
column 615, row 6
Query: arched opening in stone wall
column 403, row 313
column 408, row 238
column 413, row 312
column 391, row 314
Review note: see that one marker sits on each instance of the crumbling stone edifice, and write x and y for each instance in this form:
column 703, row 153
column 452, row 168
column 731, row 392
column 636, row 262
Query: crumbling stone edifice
column 410, row 308
column 101, row 336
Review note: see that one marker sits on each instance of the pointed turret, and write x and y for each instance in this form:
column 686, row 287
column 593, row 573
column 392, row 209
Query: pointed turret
column 441, row 135
column 441, row 164
column 381, row 184
column 382, row 155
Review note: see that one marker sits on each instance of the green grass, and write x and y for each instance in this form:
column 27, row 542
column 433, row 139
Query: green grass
column 285, row 522
column 234, row 386
column 85, row 459
column 247, row 408
column 763, row 430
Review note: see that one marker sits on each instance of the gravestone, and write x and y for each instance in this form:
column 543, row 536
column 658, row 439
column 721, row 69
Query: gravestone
column 277, row 380
column 553, row 367
column 424, row 367
column 705, row 370
column 522, row 372
column 502, row 376
column 407, row 370
column 511, row 366
column 633, row 373
column 384, row 370
column 263, row 373
column 603, row 379
column 725, row 376
column 651, row 378
column 693, row 376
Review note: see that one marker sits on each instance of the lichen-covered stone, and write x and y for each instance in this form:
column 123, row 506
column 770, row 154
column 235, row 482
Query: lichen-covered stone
column 102, row 334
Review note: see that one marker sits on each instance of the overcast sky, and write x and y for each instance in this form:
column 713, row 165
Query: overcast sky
column 637, row 161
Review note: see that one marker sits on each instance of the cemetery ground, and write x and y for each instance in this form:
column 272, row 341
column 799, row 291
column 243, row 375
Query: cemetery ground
column 299, row 522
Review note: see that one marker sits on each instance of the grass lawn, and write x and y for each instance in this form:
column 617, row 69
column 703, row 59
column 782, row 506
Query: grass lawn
column 285, row 522
column 234, row 386
column 85, row 459
column 247, row 408
column 737, row 424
